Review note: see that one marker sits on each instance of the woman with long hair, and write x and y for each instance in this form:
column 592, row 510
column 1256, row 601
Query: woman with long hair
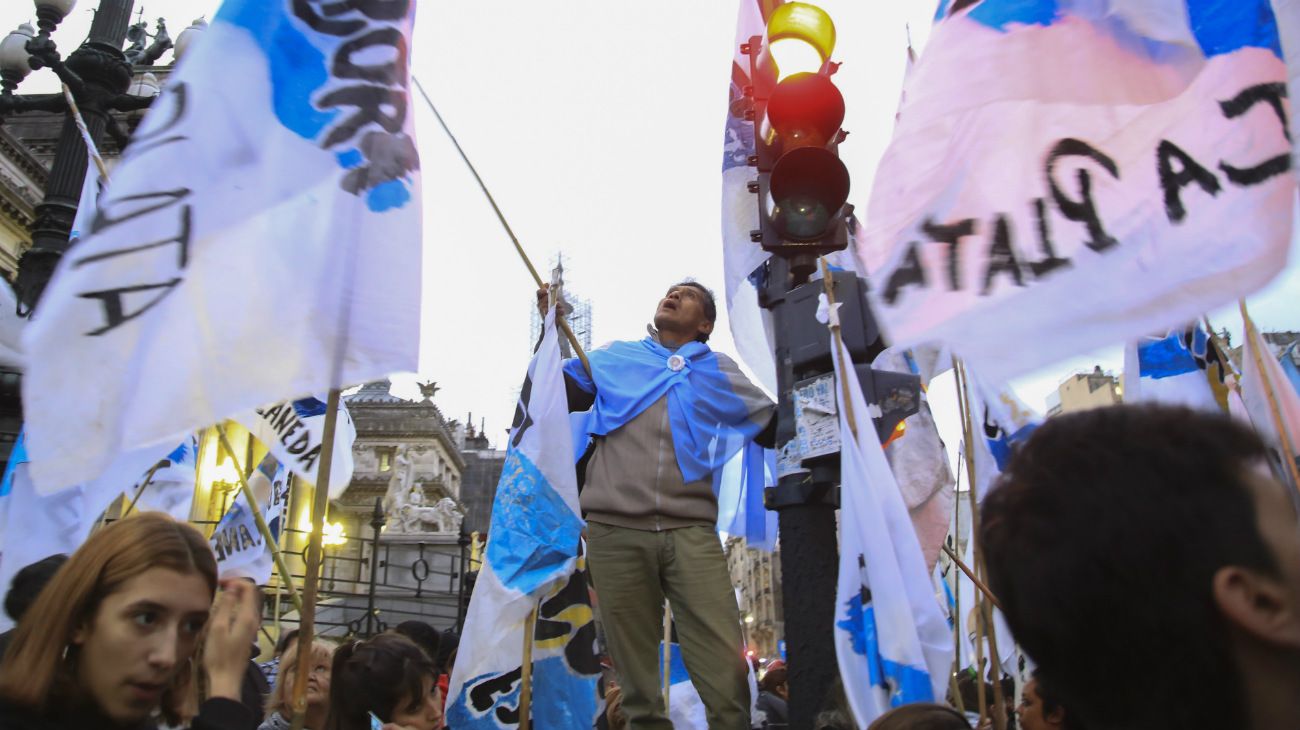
column 1041, row 709
column 111, row 640
column 387, row 677
column 279, row 706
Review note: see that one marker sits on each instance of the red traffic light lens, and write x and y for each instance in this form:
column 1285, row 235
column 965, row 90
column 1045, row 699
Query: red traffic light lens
column 809, row 186
column 805, row 110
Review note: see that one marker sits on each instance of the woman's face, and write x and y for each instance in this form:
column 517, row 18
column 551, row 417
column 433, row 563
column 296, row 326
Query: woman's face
column 1031, row 712
column 318, row 682
column 420, row 713
column 140, row 638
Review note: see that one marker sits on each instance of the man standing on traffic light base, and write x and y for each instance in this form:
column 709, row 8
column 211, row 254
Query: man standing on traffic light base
column 666, row 414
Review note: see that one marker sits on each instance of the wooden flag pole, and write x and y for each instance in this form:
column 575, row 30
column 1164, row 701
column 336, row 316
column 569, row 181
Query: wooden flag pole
column 984, row 613
column 526, row 676
column 988, row 594
column 1257, row 344
column 564, row 326
column 85, row 134
column 828, row 284
column 311, row 584
column 256, row 509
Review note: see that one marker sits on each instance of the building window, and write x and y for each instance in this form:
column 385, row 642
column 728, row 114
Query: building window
column 385, row 458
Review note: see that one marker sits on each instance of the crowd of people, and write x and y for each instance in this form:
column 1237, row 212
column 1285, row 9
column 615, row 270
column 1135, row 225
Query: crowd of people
column 134, row 630
column 1152, row 537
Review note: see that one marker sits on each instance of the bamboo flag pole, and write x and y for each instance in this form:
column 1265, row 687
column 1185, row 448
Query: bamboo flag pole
column 526, row 675
column 85, row 134
column 988, row 594
column 1257, row 346
column 828, row 284
column 311, row 584
column 564, row 326
column 256, row 509
column 963, row 407
column 984, row 613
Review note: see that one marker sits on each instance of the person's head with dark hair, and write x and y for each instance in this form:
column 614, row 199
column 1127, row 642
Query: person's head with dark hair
column 387, row 675
column 1041, row 708
column 447, row 645
column 286, row 640
column 686, row 313
column 28, row 582
column 921, row 716
column 425, row 636
column 776, row 682
column 1154, row 535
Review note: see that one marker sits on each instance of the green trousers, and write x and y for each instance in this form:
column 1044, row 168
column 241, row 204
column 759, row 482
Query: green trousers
column 634, row 570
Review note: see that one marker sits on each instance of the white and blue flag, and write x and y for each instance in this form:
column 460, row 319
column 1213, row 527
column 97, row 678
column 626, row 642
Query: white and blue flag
column 892, row 638
column 260, row 240
column 1181, row 367
column 1074, row 173
column 238, row 544
column 532, row 560
column 171, row 487
column 294, row 432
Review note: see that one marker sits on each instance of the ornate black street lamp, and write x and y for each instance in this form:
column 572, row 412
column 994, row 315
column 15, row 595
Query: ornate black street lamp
column 99, row 75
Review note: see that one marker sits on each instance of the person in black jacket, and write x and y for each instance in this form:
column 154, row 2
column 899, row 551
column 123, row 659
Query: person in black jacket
column 770, row 708
column 112, row 640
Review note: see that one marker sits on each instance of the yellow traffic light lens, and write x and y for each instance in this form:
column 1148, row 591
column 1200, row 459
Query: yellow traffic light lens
column 800, row 38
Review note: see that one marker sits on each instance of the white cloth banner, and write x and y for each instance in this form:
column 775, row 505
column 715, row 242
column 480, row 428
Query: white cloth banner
column 892, row 640
column 294, row 431
column 262, row 227
column 1066, row 174
column 239, row 546
column 532, row 560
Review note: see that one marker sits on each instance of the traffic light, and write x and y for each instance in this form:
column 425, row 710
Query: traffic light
column 802, row 185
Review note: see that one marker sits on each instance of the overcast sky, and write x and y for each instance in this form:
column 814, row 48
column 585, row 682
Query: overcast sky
column 598, row 125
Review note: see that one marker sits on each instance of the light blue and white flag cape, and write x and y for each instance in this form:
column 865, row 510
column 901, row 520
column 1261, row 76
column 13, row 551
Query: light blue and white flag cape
column 1261, row 389
column 1073, row 173
column 532, row 557
column 294, row 431
column 714, row 413
column 239, row 546
column 1180, row 368
column 892, row 638
column 262, row 227
column 171, row 490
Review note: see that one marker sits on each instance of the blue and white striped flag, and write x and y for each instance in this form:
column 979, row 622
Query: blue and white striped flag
column 1074, row 173
column 532, row 557
column 260, row 240
column 892, row 638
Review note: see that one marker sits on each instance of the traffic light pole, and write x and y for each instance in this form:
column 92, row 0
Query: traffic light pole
column 805, row 503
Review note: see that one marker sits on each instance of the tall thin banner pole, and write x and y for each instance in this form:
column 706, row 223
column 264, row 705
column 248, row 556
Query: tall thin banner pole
column 1256, row 341
column 963, row 406
column 526, row 675
column 564, row 326
column 311, row 584
column 984, row 612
